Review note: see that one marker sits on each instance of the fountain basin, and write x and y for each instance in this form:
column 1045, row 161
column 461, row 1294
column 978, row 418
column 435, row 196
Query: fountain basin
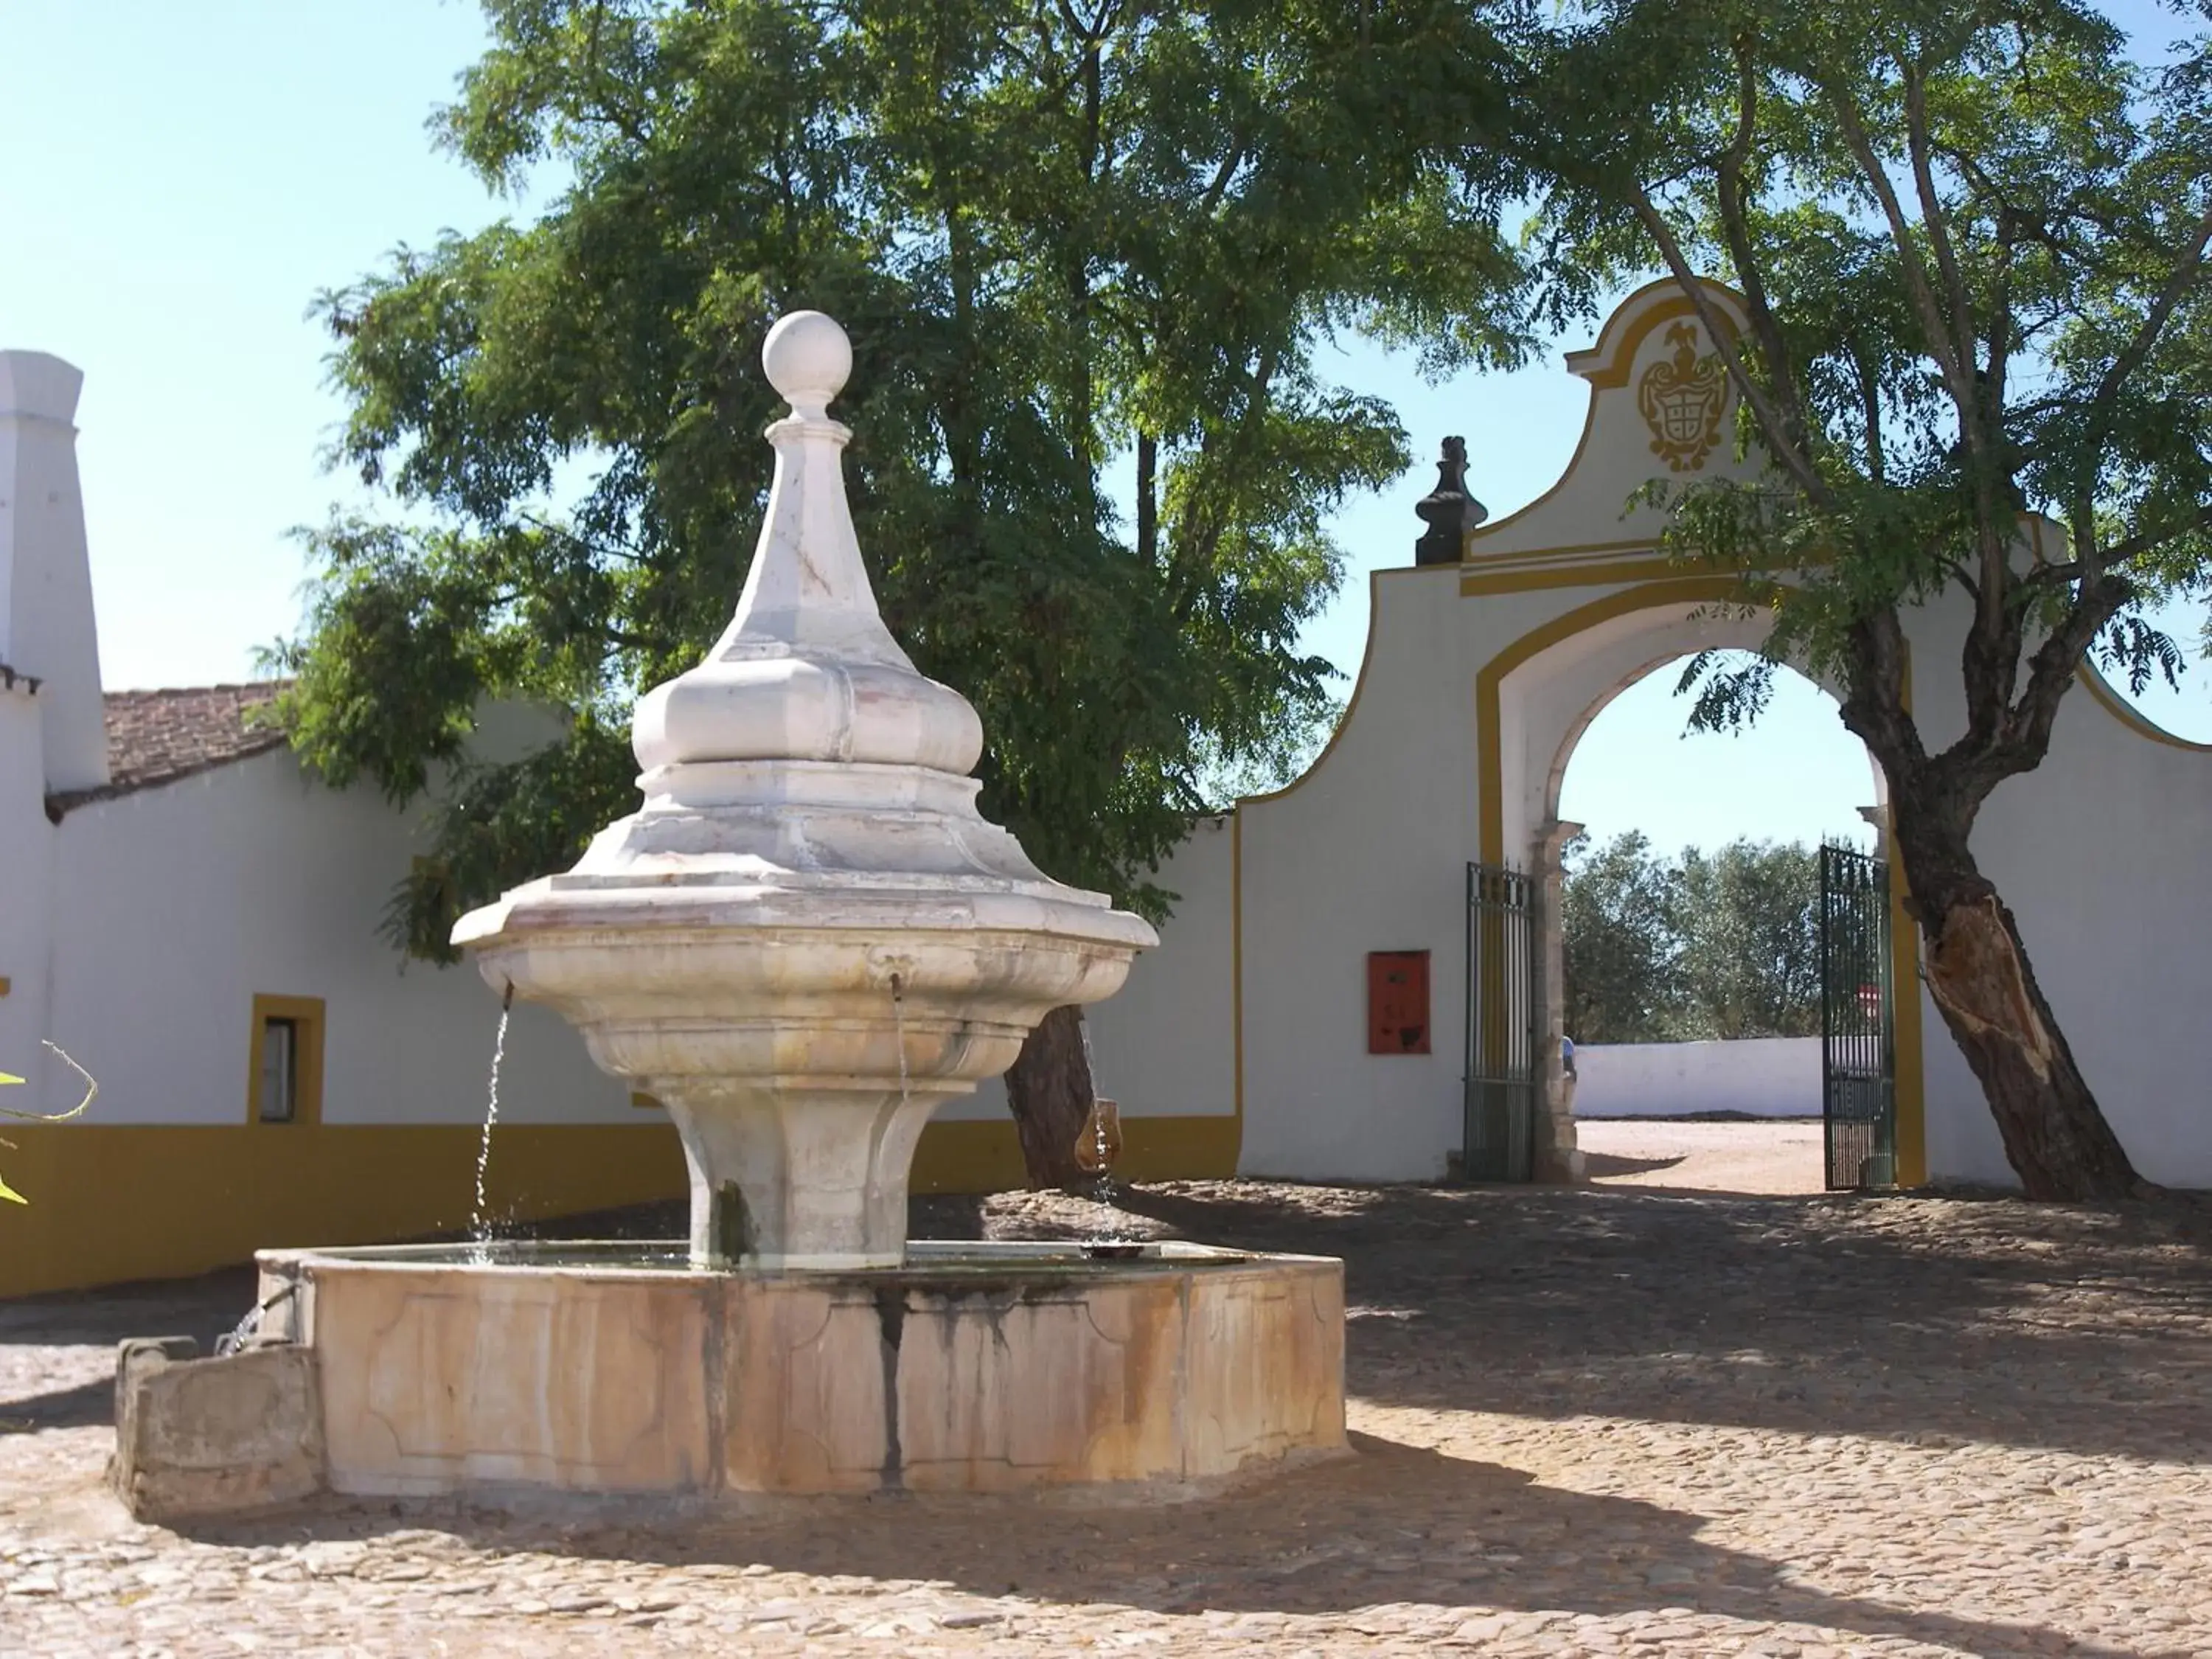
column 618, row 1370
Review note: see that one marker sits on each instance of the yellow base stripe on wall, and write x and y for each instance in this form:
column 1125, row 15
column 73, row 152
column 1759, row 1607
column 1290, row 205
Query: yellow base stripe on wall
column 116, row 1202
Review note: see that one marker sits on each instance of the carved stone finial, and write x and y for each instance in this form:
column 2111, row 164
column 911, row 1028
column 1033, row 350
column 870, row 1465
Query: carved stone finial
column 808, row 359
column 806, row 671
column 1447, row 510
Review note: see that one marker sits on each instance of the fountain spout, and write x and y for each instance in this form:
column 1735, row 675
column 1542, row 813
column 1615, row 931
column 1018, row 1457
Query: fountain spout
column 808, row 840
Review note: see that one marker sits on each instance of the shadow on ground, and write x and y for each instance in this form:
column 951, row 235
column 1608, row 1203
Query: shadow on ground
column 1390, row 1525
column 1933, row 1320
column 1605, row 1166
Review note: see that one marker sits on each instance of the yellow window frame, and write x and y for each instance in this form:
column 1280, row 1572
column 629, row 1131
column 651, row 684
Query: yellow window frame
column 305, row 1014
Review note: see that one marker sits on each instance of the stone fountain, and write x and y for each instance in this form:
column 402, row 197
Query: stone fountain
column 808, row 936
column 805, row 940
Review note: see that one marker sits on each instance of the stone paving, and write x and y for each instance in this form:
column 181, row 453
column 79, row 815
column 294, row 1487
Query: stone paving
column 1608, row 1421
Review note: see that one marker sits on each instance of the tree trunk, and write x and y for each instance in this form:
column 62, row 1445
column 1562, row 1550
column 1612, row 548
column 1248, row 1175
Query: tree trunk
column 2055, row 1136
column 1048, row 1089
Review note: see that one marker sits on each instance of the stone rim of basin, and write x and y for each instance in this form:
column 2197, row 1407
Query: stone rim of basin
column 807, row 937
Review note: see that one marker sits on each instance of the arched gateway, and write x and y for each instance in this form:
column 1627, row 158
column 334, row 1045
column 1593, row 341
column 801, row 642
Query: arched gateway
column 1311, row 1011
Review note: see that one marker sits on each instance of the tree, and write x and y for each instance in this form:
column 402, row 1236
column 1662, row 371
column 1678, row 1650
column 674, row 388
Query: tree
column 1705, row 947
column 1970, row 240
column 1076, row 242
column 1749, row 918
column 1620, row 928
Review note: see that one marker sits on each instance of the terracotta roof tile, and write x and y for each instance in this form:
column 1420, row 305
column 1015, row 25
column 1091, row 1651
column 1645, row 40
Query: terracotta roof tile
column 158, row 737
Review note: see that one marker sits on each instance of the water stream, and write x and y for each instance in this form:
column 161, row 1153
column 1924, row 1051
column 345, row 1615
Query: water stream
column 479, row 1222
column 1108, row 1239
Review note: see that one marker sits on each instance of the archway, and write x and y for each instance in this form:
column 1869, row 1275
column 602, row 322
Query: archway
column 1534, row 700
column 1694, row 981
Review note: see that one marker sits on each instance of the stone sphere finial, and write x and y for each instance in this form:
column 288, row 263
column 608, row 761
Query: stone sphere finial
column 807, row 357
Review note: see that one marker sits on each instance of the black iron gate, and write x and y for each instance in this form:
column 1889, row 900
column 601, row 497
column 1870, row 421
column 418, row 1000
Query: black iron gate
column 1505, row 1069
column 1859, row 1000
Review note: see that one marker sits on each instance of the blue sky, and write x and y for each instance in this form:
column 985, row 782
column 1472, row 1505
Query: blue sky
column 183, row 179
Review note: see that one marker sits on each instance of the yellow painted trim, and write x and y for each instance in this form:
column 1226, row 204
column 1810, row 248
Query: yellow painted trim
column 1530, row 579
column 984, row 1155
column 6, row 985
column 1604, row 367
column 1489, row 752
column 116, row 1202
column 643, row 1102
column 112, row 1202
column 1538, row 554
column 1496, row 526
column 2102, row 694
column 305, row 1014
column 2101, row 690
column 1620, row 358
column 973, row 1155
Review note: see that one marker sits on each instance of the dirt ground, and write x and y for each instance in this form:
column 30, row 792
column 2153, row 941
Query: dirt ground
column 1771, row 1158
column 1613, row 1420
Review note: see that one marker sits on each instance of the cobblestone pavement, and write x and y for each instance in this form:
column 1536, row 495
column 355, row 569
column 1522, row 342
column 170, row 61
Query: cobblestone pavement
column 1608, row 1422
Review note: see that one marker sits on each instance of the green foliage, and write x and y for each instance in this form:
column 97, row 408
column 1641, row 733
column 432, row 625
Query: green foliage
column 1971, row 240
column 8, row 1193
column 1299, row 742
column 1701, row 947
column 1070, row 242
column 1750, row 926
column 1620, row 924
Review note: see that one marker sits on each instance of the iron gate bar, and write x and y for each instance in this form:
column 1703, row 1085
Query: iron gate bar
column 1858, row 1046
column 1505, row 1067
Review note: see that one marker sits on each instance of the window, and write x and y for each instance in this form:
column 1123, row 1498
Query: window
column 284, row 1074
column 280, row 1070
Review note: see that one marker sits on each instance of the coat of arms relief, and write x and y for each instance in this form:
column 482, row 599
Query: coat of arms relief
column 1682, row 398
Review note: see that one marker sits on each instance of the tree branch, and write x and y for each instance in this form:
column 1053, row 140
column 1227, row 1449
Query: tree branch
column 1908, row 261
column 1870, row 410
column 2052, row 670
column 1962, row 335
column 2148, row 541
column 1771, row 425
column 2178, row 284
column 1735, row 226
column 1873, row 706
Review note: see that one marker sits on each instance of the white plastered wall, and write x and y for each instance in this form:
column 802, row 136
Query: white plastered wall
column 1164, row 1045
column 179, row 904
column 1366, row 853
column 1761, row 1076
column 2101, row 852
column 46, row 628
column 26, row 904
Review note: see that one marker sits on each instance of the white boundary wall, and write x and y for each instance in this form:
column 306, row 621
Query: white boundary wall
column 1764, row 1077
